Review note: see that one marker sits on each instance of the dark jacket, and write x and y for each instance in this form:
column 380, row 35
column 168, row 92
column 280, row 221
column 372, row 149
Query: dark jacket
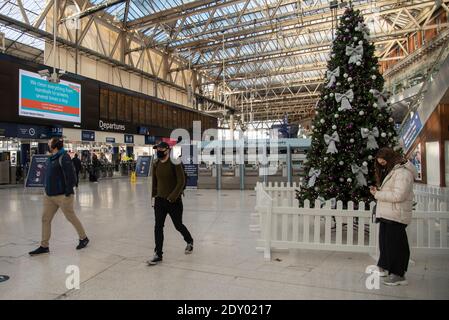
column 77, row 164
column 60, row 176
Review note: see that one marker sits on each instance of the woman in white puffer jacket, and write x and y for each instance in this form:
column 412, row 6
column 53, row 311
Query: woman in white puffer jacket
column 394, row 195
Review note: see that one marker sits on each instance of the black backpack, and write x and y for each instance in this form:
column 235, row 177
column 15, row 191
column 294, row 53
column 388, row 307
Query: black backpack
column 174, row 172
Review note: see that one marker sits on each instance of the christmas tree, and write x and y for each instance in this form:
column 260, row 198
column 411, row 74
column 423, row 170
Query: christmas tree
column 353, row 119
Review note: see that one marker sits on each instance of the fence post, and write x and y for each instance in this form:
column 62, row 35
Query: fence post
column 267, row 250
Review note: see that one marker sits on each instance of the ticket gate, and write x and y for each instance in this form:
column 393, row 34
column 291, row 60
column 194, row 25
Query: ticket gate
column 207, row 176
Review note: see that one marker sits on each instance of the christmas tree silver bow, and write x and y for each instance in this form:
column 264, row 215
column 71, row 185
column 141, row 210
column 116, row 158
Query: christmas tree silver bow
column 345, row 99
column 355, row 54
column 360, row 174
column 381, row 98
column 371, row 135
column 364, row 29
column 330, row 141
column 332, row 76
column 313, row 175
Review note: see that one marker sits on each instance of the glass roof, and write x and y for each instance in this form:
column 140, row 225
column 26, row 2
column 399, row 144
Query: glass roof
column 261, row 37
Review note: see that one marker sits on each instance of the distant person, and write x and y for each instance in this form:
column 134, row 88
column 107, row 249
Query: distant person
column 96, row 164
column 394, row 195
column 168, row 186
column 77, row 165
column 59, row 182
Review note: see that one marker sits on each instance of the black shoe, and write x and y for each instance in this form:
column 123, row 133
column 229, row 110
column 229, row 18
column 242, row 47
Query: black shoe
column 83, row 243
column 39, row 250
column 155, row 260
column 189, row 248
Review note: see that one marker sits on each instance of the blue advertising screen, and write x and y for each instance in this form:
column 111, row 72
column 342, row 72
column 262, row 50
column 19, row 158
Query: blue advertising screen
column 39, row 98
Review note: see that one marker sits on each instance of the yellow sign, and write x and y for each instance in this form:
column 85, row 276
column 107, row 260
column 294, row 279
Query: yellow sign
column 133, row 177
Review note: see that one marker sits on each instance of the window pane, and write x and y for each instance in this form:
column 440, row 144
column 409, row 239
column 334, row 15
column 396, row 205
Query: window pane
column 112, row 105
column 121, row 107
column 104, row 102
column 129, row 108
column 135, row 110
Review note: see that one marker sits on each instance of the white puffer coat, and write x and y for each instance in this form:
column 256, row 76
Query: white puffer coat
column 395, row 197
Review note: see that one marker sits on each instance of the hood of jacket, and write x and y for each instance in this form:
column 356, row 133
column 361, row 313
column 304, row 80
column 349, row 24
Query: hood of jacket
column 410, row 167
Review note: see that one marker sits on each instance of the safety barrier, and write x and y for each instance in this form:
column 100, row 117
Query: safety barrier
column 283, row 225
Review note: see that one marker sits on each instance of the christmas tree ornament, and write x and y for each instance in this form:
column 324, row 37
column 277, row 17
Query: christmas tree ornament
column 313, row 175
column 361, row 42
column 390, row 119
column 349, row 79
column 351, row 140
column 360, row 173
column 331, row 94
column 342, row 179
column 358, row 63
column 322, row 120
column 373, row 77
column 361, row 113
column 341, row 163
column 334, row 127
column 365, row 164
column 371, row 136
column 330, row 141
column 381, row 97
column 349, row 180
column 345, row 75
column 336, row 115
column 332, row 76
column 355, row 53
column 345, row 99
column 383, row 134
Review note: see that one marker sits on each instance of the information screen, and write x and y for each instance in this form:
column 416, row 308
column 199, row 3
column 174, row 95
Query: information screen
column 39, row 98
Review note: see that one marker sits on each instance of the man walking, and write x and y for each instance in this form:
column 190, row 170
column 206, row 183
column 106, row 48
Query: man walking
column 167, row 188
column 59, row 182
column 77, row 165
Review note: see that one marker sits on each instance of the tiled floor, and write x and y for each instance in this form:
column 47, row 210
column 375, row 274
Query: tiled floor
column 225, row 265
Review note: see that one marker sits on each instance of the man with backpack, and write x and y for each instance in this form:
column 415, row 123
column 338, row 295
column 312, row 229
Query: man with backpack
column 168, row 185
column 59, row 182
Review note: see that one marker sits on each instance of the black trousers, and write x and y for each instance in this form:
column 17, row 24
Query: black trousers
column 161, row 208
column 393, row 247
column 77, row 177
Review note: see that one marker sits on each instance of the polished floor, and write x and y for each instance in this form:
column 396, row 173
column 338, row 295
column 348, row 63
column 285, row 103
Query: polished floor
column 225, row 265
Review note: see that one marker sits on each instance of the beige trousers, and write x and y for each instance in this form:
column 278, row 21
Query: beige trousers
column 51, row 206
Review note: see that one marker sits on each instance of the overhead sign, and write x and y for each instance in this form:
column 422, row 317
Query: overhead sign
column 143, row 166
column 411, row 131
column 129, row 138
column 150, row 140
column 110, row 140
column 103, row 125
column 39, row 98
column 36, row 174
column 87, row 135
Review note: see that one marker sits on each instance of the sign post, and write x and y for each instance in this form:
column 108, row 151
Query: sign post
column 143, row 166
column 36, row 174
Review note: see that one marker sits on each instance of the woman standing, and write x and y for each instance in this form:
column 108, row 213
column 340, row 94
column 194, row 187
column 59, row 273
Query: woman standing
column 394, row 195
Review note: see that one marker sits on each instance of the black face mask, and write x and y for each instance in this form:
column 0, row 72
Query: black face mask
column 161, row 154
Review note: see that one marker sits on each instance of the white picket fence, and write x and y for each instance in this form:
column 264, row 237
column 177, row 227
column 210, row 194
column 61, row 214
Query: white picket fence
column 283, row 225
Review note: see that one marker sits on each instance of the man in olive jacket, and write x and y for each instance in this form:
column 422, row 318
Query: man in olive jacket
column 168, row 186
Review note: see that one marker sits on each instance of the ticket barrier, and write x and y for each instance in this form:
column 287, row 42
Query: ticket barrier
column 230, row 176
column 207, row 176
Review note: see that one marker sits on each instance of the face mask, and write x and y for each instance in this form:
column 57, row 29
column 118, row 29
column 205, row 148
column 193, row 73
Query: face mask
column 161, row 154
